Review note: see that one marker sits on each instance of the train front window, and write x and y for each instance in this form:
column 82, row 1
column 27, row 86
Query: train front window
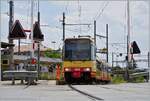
column 77, row 50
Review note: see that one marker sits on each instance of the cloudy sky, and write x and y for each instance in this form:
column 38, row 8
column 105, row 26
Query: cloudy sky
column 113, row 13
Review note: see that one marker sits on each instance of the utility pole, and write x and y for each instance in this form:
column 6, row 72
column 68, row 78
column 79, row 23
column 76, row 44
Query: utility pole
column 112, row 59
column 38, row 59
column 95, row 32
column 149, row 64
column 63, row 23
column 128, row 40
column 11, row 20
column 107, row 42
column 0, row 44
column 95, row 36
column 63, row 26
column 32, row 49
column 128, row 30
column 149, row 42
column 18, row 46
column 148, row 59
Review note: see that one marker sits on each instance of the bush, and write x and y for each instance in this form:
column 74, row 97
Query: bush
column 47, row 76
column 139, row 79
column 118, row 79
column 52, row 54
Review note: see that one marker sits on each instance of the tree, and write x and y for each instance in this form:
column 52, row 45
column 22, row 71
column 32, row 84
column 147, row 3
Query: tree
column 52, row 54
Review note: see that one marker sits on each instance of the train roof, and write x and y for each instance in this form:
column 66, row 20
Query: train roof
column 80, row 38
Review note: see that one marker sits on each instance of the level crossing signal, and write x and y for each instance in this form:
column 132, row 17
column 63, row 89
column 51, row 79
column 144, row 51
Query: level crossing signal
column 134, row 48
column 17, row 31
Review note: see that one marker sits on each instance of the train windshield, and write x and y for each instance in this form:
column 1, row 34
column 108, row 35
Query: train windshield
column 77, row 50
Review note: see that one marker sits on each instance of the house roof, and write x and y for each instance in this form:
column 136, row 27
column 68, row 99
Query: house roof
column 42, row 59
column 25, row 48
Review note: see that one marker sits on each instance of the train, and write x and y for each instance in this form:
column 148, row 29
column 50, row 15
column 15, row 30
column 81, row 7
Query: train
column 80, row 64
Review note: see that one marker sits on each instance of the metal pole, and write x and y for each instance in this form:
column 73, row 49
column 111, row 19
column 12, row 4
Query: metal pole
column 149, row 42
column 95, row 32
column 148, row 59
column 95, row 36
column 63, row 23
column 128, row 41
column 38, row 12
column 38, row 66
column 11, row 20
column 18, row 46
column 0, row 43
column 128, row 30
column 112, row 59
column 149, row 64
column 32, row 51
column 63, row 26
column 107, row 41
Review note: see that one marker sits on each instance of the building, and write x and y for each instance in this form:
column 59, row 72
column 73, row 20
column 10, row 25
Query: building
column 23, row 56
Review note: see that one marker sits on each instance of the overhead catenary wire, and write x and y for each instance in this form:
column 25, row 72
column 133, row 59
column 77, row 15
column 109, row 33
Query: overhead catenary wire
column 101, row 12
column 66, row 7
column 98, row 15
column 28, row 13
column 79, row 14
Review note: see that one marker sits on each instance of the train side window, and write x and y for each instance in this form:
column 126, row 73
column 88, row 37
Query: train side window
column 92, row 52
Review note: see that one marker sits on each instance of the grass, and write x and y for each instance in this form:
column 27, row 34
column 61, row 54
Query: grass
column 118, row 80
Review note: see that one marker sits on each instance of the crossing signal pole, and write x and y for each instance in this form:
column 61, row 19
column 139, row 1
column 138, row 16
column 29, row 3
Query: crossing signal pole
column 128, row 40
column 32, row 49
column 38, row 59
column 0, row 46
column 107, row 42
column 95, row 35
column 63, row 26
column 11, row 20
column 149, row 44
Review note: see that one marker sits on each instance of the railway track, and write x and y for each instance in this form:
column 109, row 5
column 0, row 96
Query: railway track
column 90, row 96
column 29, row 84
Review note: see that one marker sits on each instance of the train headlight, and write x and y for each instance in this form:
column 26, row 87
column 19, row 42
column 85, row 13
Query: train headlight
column 67, row 69
column 87, row 69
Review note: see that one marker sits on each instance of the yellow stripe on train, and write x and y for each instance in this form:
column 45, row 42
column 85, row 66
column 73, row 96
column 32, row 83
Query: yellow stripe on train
column 79, row 64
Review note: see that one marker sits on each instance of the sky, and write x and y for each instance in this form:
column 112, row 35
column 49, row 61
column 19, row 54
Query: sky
column 113, row 13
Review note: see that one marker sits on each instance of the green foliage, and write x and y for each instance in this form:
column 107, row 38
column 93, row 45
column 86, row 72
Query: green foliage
column 118, row 79
column 47, row 76
column 117, row 68
column 52, row 54
column 139, row 79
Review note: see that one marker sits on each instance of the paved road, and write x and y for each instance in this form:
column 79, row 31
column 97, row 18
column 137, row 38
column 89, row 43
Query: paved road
column 48, row 91
column 119, row 92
